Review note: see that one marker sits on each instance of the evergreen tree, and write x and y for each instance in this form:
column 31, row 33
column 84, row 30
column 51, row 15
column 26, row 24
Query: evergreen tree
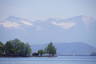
column 50, row 49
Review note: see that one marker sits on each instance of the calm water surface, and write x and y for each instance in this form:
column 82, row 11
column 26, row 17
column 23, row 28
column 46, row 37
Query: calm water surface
column 50, row 60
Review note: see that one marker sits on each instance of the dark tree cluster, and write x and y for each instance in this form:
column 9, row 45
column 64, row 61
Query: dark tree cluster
column 15, row 48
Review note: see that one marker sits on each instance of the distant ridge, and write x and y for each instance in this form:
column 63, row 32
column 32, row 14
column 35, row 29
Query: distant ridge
column 75, row 48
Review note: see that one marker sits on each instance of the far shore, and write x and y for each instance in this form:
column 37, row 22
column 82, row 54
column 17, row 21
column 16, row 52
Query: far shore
column 41, row 56
column 28, row 56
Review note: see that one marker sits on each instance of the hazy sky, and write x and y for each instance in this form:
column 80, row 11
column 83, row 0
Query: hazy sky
column 49, row 31
column 41, row 9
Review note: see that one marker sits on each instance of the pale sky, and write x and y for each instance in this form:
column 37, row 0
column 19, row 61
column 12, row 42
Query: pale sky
column 42, row 9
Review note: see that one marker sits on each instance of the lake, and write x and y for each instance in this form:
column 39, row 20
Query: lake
column 49, row 60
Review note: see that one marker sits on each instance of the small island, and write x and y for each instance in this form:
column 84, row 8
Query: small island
column 17, row 48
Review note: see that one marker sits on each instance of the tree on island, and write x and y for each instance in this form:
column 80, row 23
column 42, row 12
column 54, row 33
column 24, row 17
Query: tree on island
column 17, row 48
column 50, row 49
column 1, row 49
column 40, row 52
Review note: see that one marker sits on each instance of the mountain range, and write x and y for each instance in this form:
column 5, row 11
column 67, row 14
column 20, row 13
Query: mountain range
column 75, row 29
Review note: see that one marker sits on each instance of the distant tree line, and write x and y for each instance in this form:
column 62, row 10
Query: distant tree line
column 18, row 48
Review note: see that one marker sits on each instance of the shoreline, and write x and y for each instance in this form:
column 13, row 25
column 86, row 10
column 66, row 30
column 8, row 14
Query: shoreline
column 26, row 56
